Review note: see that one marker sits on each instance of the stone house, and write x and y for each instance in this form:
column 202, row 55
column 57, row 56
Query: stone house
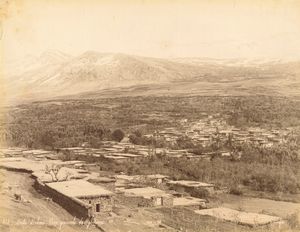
column 148, row 197
column 94, row 200
column 188, row 186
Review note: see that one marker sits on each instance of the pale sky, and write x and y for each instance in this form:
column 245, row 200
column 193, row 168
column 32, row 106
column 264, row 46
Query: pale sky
column 159, row 28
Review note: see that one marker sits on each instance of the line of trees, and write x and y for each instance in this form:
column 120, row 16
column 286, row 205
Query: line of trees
column 72, row 122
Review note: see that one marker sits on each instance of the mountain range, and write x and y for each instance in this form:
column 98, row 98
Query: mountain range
column 94, row 74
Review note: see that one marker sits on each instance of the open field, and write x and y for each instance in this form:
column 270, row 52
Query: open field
column 246, row 87
column 258, row 205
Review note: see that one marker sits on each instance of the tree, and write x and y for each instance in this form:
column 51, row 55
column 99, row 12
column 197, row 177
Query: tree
column 53, row 171
column 118, row 135
column 47, row 139
column 138, row 133
column 184, row 142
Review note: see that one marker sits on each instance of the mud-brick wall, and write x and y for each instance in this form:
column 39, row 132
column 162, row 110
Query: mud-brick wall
column 106, row 203
column 168, row 201
column 188, row 189
column 144, row 202
column 74, row 206
column 135, row 201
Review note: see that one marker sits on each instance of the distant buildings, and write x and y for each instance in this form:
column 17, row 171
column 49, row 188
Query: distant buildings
column 205, row 130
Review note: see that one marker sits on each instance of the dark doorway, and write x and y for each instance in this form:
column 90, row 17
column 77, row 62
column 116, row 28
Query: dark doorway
column 97, row 207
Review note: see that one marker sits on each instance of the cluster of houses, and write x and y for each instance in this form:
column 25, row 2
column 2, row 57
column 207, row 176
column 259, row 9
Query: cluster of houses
column 93, row 196
column 123, row 151
column 213, row 127
column 112, row 150
column 206, row 131
column 88, row 195
column 23, row 152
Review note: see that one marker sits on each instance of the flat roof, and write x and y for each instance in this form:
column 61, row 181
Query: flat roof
column 190, row 183
column 147, row 192
column 79, row 188
column 115, row 157
column 126, row 177
column 156, row 176
column 239, row 217
column 73, row 162
column 187, row 201
column 72, row 148
column 27, row 164
column 124, row 154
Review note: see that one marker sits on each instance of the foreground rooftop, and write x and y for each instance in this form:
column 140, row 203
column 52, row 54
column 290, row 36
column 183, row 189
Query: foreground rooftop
column 79, row 188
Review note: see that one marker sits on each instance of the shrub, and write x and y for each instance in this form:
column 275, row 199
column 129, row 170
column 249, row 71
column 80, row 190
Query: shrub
column 199, row 193
column 118, row 135
column 293, row 220
column 236, row 190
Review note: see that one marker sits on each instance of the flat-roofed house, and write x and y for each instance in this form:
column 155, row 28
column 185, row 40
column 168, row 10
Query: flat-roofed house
column 189, row 185
column 148, row 197
column 239, row 217
column 81, row 197
column 157, row 178
column 2, row 155
column 190, row 202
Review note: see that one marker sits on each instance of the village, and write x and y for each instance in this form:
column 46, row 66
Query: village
column 73, row 178
column 211, row 127
column 110, row 199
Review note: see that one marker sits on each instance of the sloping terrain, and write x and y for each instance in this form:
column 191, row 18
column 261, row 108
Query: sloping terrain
column 56, row 74
column 34, row 213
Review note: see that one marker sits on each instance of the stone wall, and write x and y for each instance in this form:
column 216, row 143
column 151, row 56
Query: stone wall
column 168, row 201
column 15, row 169
column 74, row 206
column 189, row 189
column 106, row 204
column 135, row 201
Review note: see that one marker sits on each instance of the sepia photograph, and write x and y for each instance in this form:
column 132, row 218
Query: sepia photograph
column 150, row 115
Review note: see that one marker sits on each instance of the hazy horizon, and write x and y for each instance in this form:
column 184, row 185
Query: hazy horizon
column 163, row 29
column 72, row 55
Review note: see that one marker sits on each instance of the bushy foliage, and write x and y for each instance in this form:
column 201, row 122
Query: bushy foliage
column 68, row 123
column 256, row 176
column 236, row 190
column 118, row 135
column 199, row 193
column 293, row 221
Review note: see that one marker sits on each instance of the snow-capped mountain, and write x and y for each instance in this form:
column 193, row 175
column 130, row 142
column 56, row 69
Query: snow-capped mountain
column 30, row 63
column 55, row 73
